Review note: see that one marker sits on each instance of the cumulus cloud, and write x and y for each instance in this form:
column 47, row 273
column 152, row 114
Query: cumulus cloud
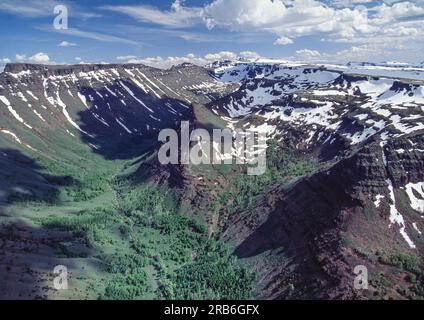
column 40, row 58
column 283, row 41
column 286, row 19
column 398, row 11
column 359, row 23
column 307, row 54
column 236, row 14
column 223, row 55
column 250, row 55
column 371, row 27
column 67, row 44
column 368, row 27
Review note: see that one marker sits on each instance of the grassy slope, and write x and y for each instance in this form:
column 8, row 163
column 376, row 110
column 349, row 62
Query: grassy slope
column 119, row 240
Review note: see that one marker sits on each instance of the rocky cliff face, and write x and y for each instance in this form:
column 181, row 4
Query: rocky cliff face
column 357, row 212
column 111, row 107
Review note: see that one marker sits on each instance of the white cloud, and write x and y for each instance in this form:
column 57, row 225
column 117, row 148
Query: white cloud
column 5, row 60
column 360, row 23
column 178, row 16
column 20, row 57
column 223, row 55
column 241, row 14
column 392, row 24
column 250, row 55
column 308, row 54
column 126, row 58
column 40, row 58
column 286, row 19
column 401, row 10
column 67, row 44
column 283, row 41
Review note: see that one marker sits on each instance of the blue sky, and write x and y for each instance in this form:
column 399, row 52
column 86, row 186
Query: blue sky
column 166, row 32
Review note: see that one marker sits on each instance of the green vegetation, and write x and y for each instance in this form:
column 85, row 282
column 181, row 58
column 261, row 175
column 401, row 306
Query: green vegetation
column 91, row 225
column 213, row 275
column 145, row 199
column 145, row 246
column 369, row 210
column 411, row 264
column 83, row 180
column 129, row 279
column 89, row 187
column 405, row 261
column 284, row 165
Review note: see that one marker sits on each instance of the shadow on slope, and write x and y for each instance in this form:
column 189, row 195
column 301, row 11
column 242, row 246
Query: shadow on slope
column 124, row 126
column 306, row 224
column 28, row 252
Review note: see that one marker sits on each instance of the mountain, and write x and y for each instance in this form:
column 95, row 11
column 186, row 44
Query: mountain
column 366, row 200
column 82, row 187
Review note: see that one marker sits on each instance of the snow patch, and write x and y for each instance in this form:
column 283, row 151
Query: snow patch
column 377, row 202
column 396, row 217
column 10, row 133
column 123, row 126
column 416, row 228
column 13, row 112
column 411, row 190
